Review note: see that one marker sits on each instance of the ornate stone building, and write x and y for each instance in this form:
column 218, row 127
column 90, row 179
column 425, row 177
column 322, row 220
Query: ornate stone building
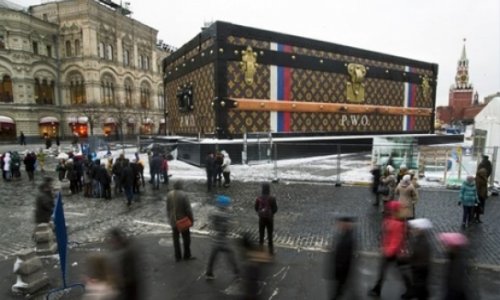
column 78, row 66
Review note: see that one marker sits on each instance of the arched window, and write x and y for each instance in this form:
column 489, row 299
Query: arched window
column 128, row 93
column 109, row 52
column 68, row 49
column 77, row 47
column 107, row 90
column 145, row 95
column 44, row 91
column 6, row 94
column 77, row 89
column 100, row 49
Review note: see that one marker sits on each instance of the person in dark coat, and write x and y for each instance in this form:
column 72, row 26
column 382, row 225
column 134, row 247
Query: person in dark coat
column 61, row 169
column 377, row 175
column 127, row 266
column 155, row 166
column 455, row 279
column 117, row 173
column 29, row 162
column 486, row 164
column 44, row 202
column 341, row 257
column 178, row 207
column 104, row 180
column 127, row 181
column 137, row 170
column 72, row 176
column 210, row 168
column 266, row 207
column 218, row 161
column 22, row 139
column 420, row 259
column 482, row 193
column 48, row 142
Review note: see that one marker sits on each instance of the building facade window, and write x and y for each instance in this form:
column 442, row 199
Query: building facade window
column 145, row 96
column 2, row 41
column 6, row 94
column 161, row 98
column 126, row 58
column 35, row 47
column 107, row 90
column 77, row 89
column 77, row 47
column 146, row 63
column 139, row 62
column 44, row 92
column 100, row 49
column 128, row 93
column 109, row 52
column 68, row 49
column 49, row 51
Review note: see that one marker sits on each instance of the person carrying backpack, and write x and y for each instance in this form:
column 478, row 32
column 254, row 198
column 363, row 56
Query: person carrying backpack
column 266, row 207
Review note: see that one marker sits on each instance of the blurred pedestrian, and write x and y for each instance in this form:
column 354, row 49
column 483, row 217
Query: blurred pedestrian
column 178, row 208
column 58, row 141
column 210, row 170
column 48, row 142
column 40, row 157
column 164, row 169
column 155, row 170
column 127, row 266
column 221, row 223
column 341, row 258
column 6, row 169
column 218, row 161
column 456, row 286
column 61, row 169
column 29, row 163
column 486, row 164
column 127, row 181
column 72, row 176
column 22, row 139
column 137, row 170
column 266, row 207
column 253, row 262
column 117, row 173
column 376, row 176
column 99, row 282
column 406, row 193
column 393, row 246
column 15, row 165
column 420, row 258
column 226, row 168
column 388, row 185
column 482, row 193
column 44, row 204
column 403, row 170
column 468, row 199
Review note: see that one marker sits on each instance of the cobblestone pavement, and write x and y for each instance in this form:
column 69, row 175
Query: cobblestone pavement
column 304, row 220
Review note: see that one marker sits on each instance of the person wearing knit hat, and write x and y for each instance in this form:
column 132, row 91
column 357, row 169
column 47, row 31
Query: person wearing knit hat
column 393, row 241
column 455, row 279
column 221, row 222
column 420, row 258
column 407, row 195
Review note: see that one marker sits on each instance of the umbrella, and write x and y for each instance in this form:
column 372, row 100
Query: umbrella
column 62, row 155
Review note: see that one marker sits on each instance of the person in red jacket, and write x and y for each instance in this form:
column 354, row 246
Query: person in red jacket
column 393, row 241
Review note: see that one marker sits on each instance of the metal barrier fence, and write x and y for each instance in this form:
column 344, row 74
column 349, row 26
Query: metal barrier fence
column 434, row 165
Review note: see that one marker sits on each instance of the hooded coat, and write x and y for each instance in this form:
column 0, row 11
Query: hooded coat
column 408, row 196
column 482, row 183
column 468, row 193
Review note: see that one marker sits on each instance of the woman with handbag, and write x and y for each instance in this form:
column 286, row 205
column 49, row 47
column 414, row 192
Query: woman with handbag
column 407, row 195
column 180, row 215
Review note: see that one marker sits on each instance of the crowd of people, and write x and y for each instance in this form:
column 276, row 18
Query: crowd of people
column 405, row 239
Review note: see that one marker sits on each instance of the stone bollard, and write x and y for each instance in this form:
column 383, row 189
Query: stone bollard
column 30, row 275
column 45, row 239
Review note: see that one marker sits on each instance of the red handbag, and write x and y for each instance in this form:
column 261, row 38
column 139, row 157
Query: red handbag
column 184, row 223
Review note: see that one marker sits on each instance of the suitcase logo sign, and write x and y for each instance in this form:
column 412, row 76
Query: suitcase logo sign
column 356, row 87
column 249, row 64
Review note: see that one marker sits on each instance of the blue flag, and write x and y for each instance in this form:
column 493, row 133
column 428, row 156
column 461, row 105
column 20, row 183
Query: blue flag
column 61, row 235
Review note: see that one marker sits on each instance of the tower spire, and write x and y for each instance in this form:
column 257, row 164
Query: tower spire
column 462, row 76
column 464, row 54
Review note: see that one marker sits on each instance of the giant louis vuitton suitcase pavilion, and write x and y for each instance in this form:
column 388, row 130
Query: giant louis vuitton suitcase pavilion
column 232, row 79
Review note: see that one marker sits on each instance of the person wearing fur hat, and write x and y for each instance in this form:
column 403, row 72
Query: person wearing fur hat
column 393, row 242
column 455, row 280
column 388, row 183
column 468, row 199
column 221, row 222
column 406, row 193
column 420, row 258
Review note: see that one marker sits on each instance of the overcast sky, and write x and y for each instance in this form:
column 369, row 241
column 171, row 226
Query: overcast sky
column 428, row 30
